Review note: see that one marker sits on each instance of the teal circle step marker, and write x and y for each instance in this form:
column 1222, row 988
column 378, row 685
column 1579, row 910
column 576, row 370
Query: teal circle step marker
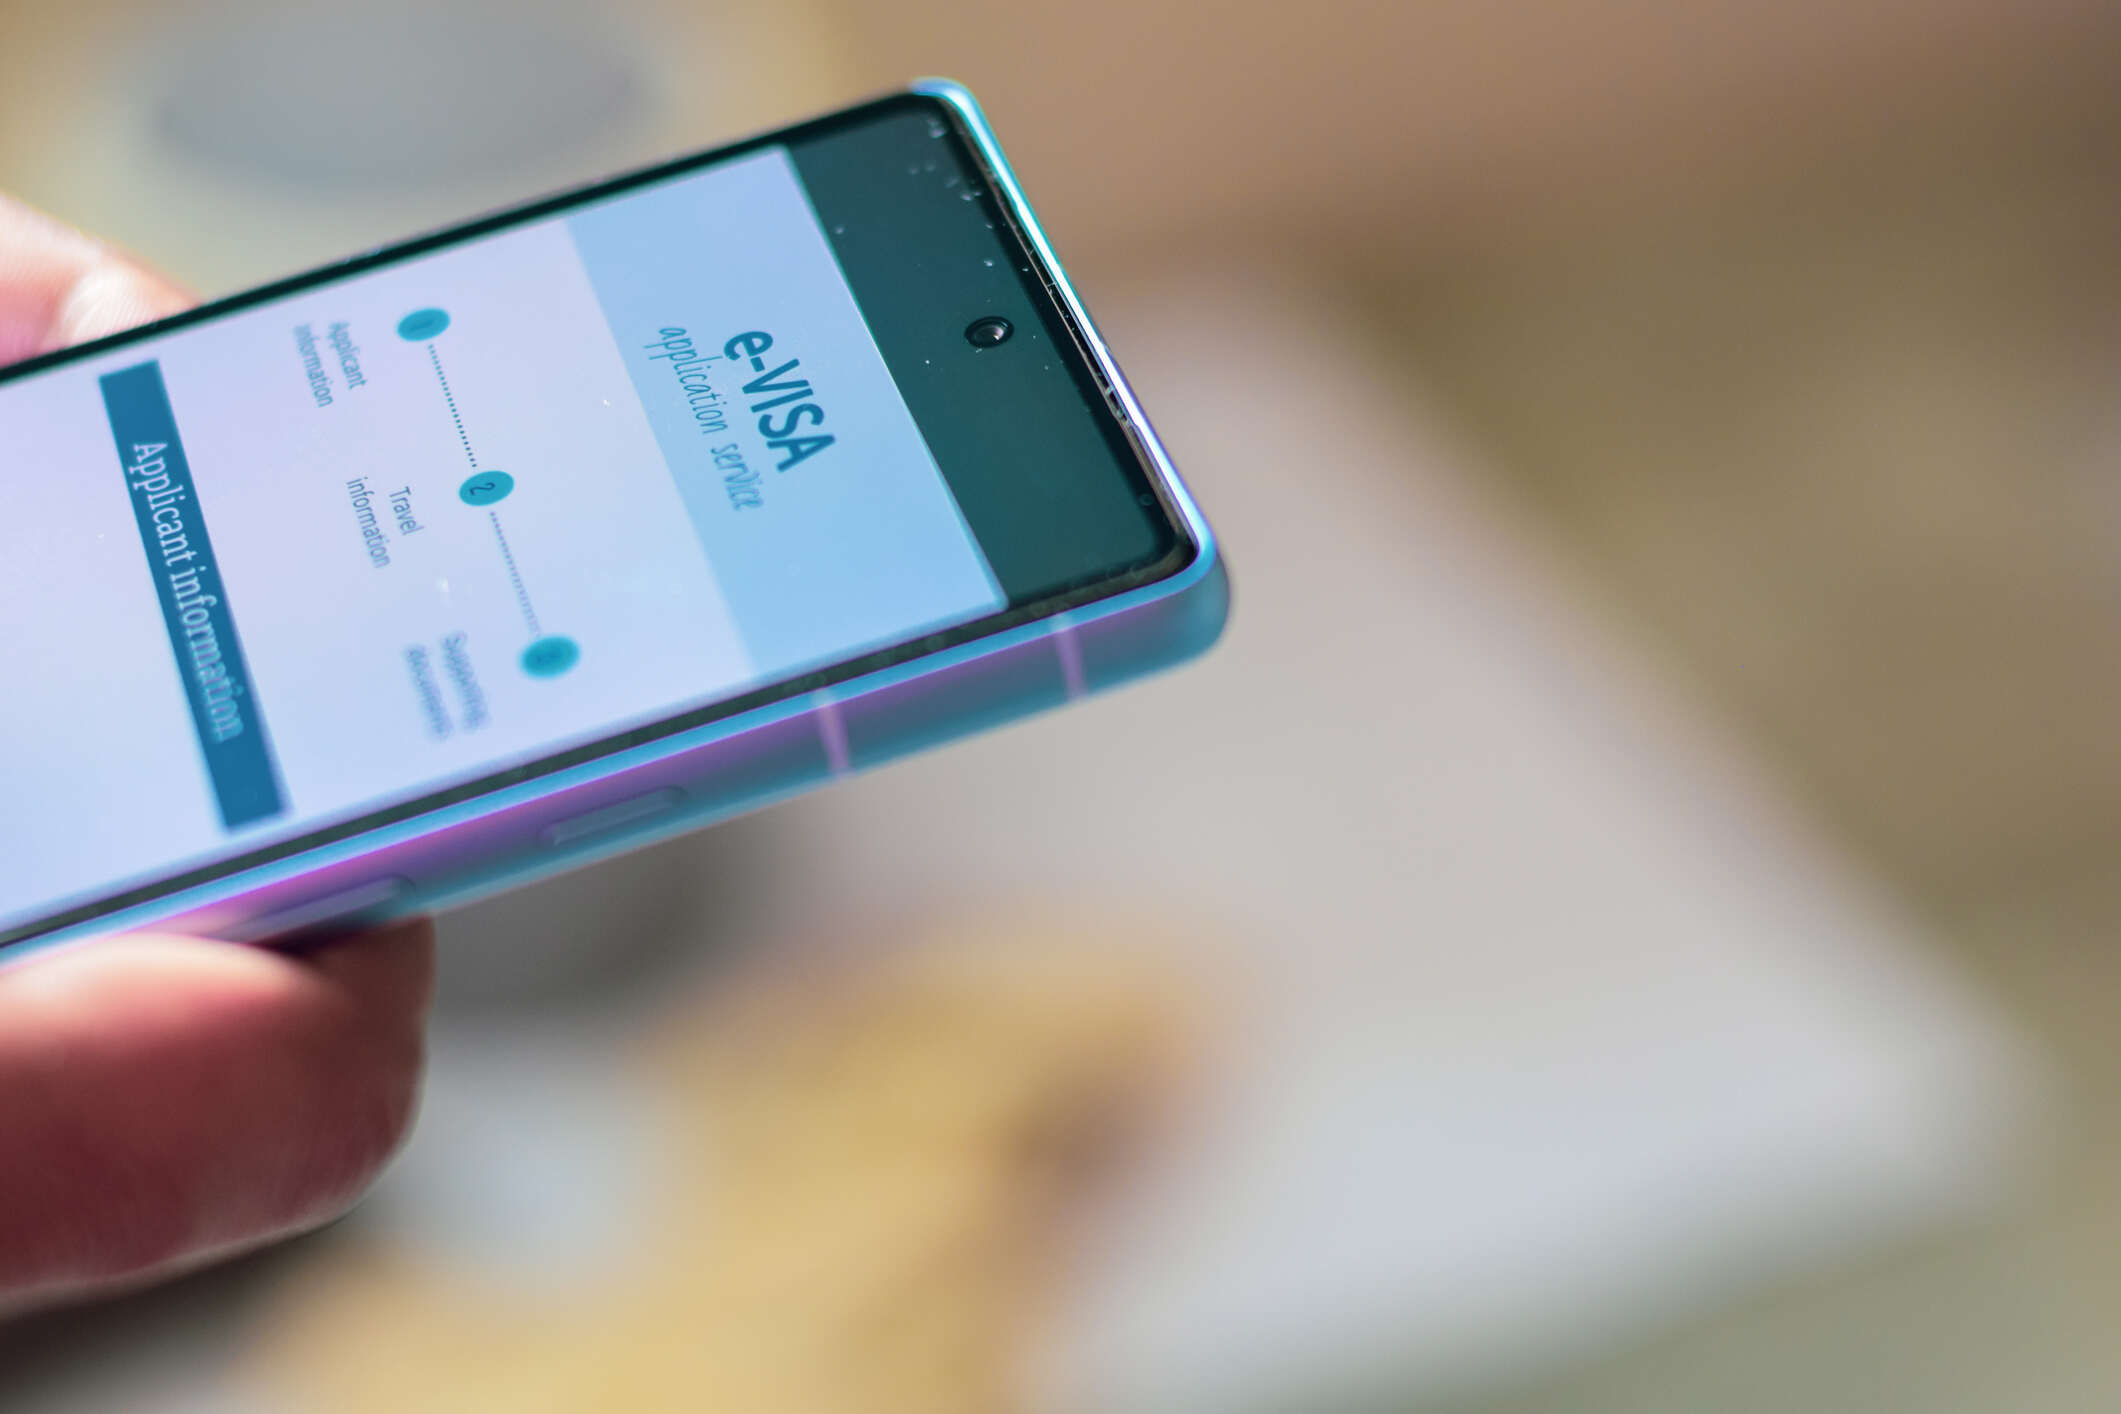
column 550, row 656
column 486, row 487
column 423, row 324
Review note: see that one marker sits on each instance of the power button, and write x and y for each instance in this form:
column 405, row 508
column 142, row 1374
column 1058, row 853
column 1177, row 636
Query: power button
column 607, row 818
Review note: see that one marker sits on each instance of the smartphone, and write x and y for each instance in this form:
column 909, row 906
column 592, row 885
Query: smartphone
column 516, row 545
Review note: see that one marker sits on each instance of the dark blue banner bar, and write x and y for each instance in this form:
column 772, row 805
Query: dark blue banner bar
column 202, row 632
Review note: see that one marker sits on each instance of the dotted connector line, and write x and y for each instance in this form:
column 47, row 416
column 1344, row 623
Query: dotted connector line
column 530, row 615
column 451, row 399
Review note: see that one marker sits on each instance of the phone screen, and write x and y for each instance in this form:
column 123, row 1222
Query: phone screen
column 380, row 538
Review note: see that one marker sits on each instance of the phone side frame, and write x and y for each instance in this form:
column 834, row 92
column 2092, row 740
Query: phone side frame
column 691, row 779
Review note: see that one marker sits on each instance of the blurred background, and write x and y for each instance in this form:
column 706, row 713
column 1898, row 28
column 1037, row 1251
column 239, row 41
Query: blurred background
column 1625, row 921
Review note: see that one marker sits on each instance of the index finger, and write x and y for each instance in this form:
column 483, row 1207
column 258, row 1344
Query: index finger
column 60, row 287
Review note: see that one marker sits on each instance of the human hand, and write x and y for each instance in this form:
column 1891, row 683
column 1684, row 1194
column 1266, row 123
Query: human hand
column 166, row 1102
column 58, row 287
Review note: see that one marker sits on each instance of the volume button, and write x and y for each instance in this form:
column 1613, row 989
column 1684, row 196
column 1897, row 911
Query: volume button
column 344, row 907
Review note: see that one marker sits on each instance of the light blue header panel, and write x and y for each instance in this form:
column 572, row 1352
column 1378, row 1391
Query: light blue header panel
column 821, row 511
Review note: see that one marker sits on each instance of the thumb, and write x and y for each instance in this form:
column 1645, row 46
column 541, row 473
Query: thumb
column 166, row 1101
